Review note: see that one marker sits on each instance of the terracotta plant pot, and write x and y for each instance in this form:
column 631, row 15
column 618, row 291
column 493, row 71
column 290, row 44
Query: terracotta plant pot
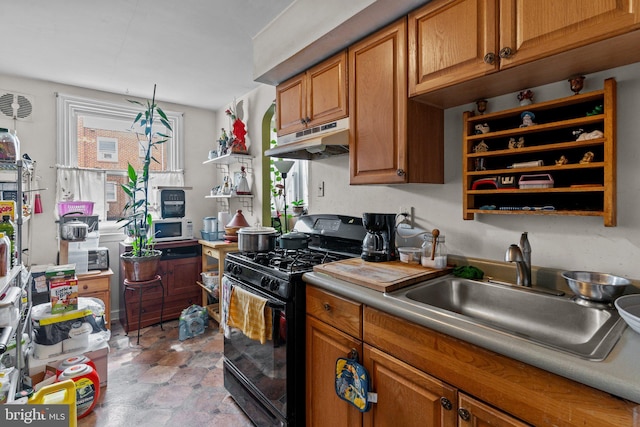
column 139, row 269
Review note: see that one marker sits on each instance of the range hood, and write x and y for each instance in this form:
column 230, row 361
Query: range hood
column 324, row 141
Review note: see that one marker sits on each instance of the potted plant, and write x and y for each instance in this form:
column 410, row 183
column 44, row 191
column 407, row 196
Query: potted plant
column 298, row 207
column 141, row 263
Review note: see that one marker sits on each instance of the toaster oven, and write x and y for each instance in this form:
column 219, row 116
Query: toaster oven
column 98, row 259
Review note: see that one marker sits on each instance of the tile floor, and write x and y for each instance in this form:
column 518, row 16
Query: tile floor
column 165, row 381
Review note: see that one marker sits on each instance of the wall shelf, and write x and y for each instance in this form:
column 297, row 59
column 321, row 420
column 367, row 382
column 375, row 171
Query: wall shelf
column 578, row 189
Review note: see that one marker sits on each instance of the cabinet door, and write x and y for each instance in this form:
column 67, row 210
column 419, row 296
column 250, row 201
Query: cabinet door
column 406, row 396
column 291, row 108
column 181, row 276
column 535, row 29
column 378, row 107
column 451, row 41
column 324, row 344
column 473, row 413
column 327, row 90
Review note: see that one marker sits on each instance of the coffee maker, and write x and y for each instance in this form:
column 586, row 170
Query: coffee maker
column 379, row 244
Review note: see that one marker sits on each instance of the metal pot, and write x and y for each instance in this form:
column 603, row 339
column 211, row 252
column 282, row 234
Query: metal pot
column 294, row 240
column 74, row 230
column 257, row 239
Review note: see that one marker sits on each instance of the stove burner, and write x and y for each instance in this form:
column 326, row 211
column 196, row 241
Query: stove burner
column 290, row 261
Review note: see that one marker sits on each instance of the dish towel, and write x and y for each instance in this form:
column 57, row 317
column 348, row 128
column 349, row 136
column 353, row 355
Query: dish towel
column 249, row 313
column 225, row 297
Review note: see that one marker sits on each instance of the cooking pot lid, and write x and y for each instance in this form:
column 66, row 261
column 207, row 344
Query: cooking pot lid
column 257, row 230
column 295, row 235
column 238, row 220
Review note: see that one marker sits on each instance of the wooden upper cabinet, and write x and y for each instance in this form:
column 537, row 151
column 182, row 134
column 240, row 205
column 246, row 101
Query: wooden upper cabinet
column 393, row 140
column 454, row 41
column 451, row 41
column 314, row 97
column 536, row 29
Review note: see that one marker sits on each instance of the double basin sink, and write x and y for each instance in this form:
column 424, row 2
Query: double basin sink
column 558, row 322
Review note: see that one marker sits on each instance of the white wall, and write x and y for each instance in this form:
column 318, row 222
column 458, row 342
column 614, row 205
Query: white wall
column 571, row 243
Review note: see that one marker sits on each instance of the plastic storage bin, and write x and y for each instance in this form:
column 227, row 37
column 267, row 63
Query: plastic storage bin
column 82, row 207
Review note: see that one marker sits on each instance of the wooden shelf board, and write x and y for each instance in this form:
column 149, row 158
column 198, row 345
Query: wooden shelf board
column 554, row 168
column 591, row 189
column 539, row 148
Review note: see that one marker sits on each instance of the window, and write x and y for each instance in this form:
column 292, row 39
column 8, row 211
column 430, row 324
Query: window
column 107, row 149
column 95, row 143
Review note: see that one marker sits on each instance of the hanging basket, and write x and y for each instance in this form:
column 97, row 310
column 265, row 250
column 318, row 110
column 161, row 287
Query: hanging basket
column 139, row 269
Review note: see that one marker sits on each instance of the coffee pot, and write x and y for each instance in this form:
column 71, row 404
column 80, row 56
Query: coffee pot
column 379, row 244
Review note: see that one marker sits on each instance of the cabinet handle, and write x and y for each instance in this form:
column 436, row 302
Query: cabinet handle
column 307, row 120
column 326, row 306
column 302, row 122
column 464, row 414
column 446, row 403
column 400, row 172
column 505, row 52
column 85, row 287
column 490, row 58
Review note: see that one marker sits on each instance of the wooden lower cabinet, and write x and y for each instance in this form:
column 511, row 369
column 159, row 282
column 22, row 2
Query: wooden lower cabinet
column 406, row 396
column 324, row 344
column 427, row 379
column 97, row 286
column 179, row 276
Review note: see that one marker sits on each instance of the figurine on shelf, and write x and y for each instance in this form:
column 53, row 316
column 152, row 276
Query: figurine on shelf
column 598, row 109
column 587, row 158
column 590, row 135
column 527, row 119
column 481, row 128
column 482, row 105
column 242, row 186
column 513, row 144
column 481, row 147
column 238, row 129
column 562, row 161
column 576, row 84
column 223, row 143
column 525, row 97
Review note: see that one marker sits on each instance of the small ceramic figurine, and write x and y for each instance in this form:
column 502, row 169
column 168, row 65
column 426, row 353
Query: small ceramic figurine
column 590, row 135
column 481, row 128
column 481, row 147
column 513, row 144
column 598, row 109
column 525, row 97
column 576, row 84
column 587, row 158
column 527, row 119
column 562, row 161
column 482, row 105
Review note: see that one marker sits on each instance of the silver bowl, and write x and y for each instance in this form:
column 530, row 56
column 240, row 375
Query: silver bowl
column 592, row 286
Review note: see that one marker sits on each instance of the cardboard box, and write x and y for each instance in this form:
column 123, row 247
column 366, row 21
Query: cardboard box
column 8, row 207
column 64, row 271
column 64, row 295
column 98, row 354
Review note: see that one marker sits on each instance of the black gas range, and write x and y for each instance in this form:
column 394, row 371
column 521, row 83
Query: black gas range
column 267, row 380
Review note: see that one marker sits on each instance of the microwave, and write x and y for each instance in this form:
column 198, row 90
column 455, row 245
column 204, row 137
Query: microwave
column 167, row 229
column 98, row 259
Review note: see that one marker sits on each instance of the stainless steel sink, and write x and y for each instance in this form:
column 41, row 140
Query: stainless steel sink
column 553, row 321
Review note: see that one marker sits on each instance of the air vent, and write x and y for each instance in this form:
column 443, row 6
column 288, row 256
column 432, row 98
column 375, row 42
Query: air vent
column 15, row 105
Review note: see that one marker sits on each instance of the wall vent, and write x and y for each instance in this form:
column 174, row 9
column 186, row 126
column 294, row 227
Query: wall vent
column 17, row 106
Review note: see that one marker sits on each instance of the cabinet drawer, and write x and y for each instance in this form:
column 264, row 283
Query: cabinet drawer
column 339, row 312
column 93, row 285
column 210, row 252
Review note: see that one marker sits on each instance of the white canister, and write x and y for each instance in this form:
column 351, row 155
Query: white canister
column 210, row 224
column 224, row 218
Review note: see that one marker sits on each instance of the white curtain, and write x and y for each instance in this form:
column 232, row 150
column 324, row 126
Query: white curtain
column 81, row 184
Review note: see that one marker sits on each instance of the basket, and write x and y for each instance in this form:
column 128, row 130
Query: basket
column 78, row 206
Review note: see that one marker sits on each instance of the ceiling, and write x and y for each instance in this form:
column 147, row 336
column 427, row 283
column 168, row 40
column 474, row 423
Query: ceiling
column 198, row 52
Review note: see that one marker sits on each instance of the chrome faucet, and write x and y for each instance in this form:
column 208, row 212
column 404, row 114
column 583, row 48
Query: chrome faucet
column 521, row 255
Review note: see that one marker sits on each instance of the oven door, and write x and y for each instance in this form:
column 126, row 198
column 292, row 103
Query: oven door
column 261, row 369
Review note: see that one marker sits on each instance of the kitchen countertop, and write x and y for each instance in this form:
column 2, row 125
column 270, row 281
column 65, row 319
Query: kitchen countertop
column 618, row 374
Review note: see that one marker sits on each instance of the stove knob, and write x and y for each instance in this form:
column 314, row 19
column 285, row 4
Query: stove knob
column 275, row 285
column 264, row 282
column 237, row 270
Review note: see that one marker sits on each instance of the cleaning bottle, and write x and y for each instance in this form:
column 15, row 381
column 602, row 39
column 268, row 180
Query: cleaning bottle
column 6, row 227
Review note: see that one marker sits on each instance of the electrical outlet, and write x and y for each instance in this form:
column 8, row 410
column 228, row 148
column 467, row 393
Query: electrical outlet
column 321, row 189
column 408, row 212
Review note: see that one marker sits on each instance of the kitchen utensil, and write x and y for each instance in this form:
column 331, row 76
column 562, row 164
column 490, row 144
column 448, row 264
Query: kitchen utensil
column 238, row 220
column 257, row 239
column 629, row 308
column 594, row 286
column 294, row 241
column 74, row 230
column 434, row 241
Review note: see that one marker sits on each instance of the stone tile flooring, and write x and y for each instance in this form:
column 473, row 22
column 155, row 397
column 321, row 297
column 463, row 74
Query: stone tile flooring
column 165, row 381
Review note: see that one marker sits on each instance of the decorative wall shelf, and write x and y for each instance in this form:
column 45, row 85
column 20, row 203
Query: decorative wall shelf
column 579, row 189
